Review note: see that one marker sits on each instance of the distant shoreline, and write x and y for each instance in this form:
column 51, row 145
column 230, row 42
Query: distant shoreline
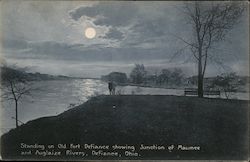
column 181, row 87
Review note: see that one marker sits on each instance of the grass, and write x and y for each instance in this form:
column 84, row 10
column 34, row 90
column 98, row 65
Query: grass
column 218, row 126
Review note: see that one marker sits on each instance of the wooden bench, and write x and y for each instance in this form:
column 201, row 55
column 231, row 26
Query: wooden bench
column 194, row 92
column 212, row 93
column 190, row 91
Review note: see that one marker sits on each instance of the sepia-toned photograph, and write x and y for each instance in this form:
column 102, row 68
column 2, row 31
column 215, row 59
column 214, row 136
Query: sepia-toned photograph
column 124, row 80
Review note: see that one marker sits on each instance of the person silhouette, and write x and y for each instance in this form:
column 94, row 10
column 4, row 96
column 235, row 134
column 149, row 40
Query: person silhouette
column 111, row 87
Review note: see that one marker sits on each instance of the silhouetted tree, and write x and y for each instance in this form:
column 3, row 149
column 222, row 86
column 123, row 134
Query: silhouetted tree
column 171, row 76
column 177, row 76
column 14, row 85
column 138, row 74
column 210, row 23
column 164, row 77
column 226, row 82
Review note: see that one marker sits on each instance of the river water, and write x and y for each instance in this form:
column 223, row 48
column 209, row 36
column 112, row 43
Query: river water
column 56, row 96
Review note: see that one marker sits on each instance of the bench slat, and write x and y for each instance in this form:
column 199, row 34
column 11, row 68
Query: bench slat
column 192, row 91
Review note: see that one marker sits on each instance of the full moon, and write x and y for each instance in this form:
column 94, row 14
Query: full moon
column 90, row 33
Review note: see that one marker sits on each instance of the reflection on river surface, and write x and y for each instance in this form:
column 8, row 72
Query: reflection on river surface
column 56, row 96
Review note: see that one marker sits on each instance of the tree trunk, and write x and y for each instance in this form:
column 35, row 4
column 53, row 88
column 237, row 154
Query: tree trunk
column 200, row 86
column 16, row 114
column 200, row 75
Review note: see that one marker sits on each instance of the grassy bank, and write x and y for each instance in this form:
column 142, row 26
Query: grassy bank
column 217, row 126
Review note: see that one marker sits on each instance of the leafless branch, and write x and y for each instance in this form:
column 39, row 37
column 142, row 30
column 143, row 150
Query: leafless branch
column 177, row 53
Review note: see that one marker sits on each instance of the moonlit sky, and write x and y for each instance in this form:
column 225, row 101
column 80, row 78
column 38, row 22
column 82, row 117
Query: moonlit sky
column 48, row 37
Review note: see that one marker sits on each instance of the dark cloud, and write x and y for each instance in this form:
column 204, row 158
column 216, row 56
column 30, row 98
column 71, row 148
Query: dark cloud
column 108, row 14
column 142, row 29
column 113, row 33
column 98, row 52
column 83, row 11
column 147, row 21
column 62, row 51
column 152, row 28
column 14, row 44
column 94, row 53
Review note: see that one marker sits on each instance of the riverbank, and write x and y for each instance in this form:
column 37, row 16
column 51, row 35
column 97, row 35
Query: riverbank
column 240, row 89
column 217, row 126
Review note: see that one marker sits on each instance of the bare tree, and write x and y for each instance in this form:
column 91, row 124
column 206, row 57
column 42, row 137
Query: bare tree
column 227, row 82
column 138, row 74
column 171, row 76
column 210, row 22
column 14, row 86
column 164, row 77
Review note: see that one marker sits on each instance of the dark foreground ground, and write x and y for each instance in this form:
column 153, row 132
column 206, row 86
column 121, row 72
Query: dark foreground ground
column 219, row 127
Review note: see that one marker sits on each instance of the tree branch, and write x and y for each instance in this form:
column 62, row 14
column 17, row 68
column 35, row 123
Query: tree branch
column 178, row 53
column 186, row 42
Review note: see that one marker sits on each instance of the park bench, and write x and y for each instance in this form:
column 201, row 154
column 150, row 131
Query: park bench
column 194, row 92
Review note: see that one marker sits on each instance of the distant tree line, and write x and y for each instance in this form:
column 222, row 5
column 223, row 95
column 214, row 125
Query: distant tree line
column 140, row 76
column 175, row 77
